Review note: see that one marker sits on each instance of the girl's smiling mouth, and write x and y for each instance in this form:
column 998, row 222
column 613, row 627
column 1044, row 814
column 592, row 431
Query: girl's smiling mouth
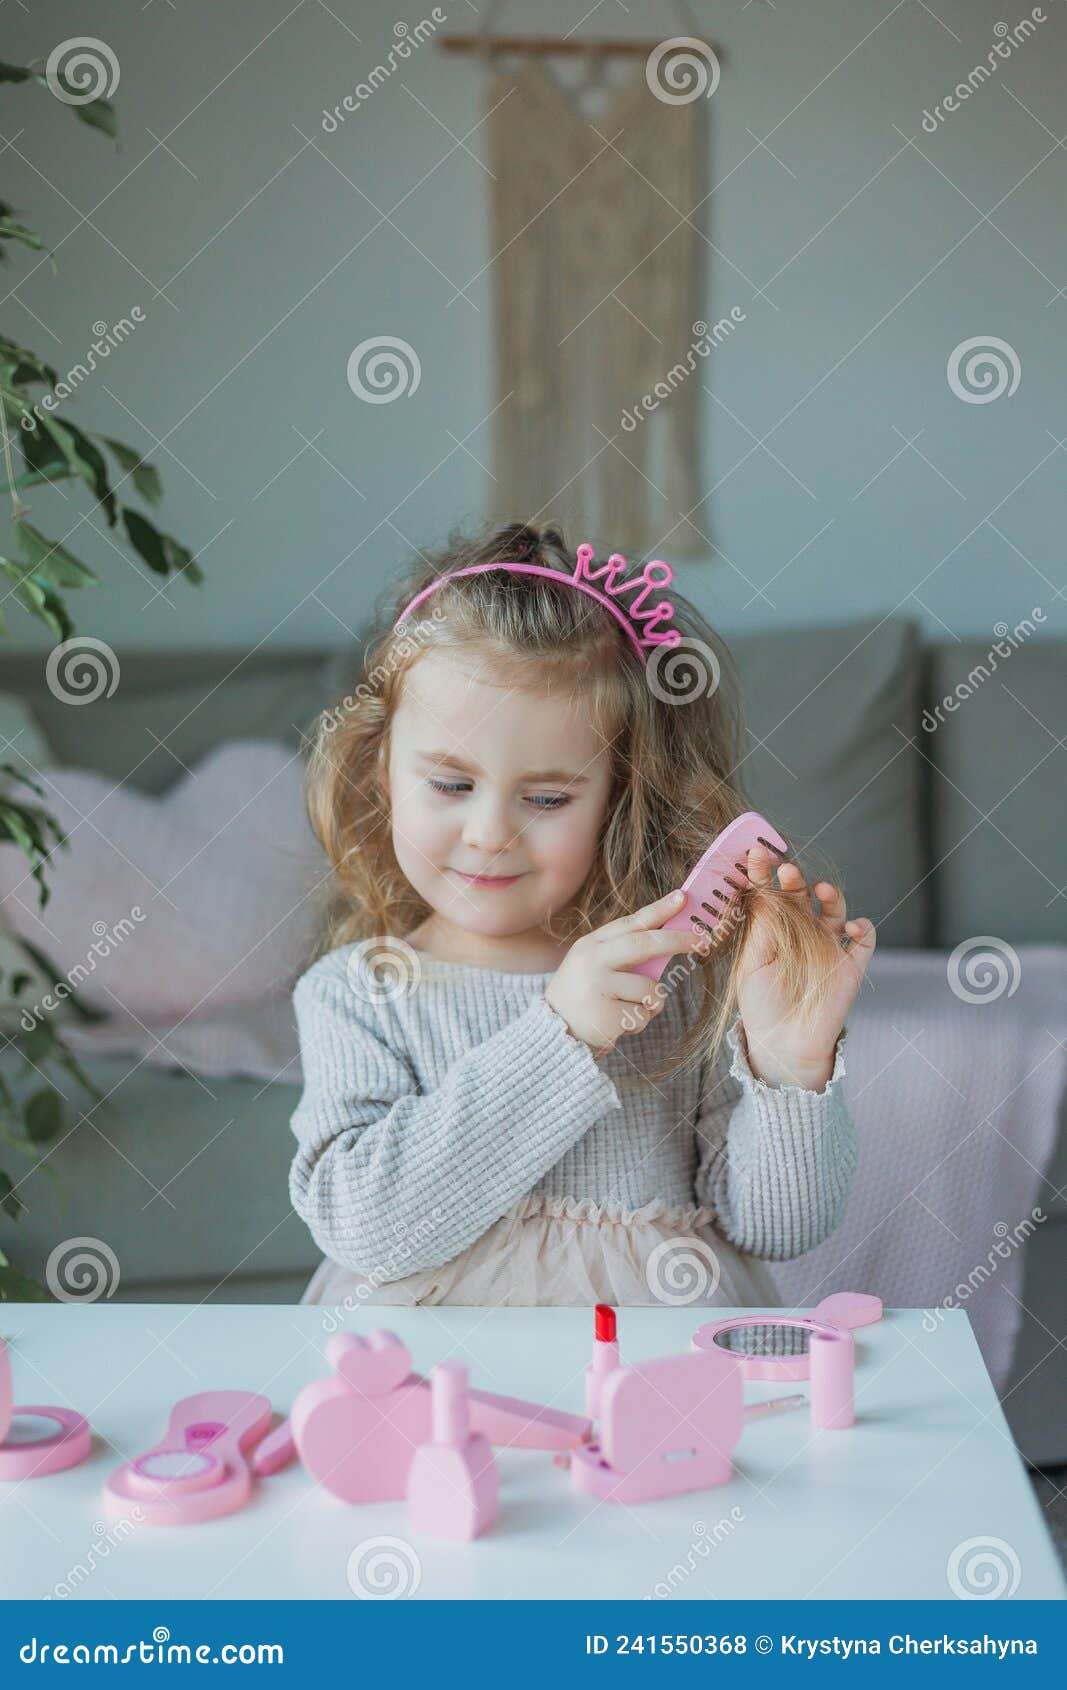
column 497, row 880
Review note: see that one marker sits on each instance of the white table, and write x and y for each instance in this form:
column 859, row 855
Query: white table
column 875, row 1511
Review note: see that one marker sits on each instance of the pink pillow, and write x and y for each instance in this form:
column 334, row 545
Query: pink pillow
column 200, row 899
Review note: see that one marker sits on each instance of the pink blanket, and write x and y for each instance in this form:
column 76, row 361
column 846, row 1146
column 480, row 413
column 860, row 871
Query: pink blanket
column 956, row 1105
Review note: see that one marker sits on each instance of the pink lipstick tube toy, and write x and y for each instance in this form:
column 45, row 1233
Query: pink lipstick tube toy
column 605, row 1357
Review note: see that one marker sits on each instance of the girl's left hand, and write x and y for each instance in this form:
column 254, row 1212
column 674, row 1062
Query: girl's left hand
column 797, row 1048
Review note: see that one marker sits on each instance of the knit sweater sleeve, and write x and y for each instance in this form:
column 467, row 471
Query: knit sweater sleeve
column 775, row 1162
column 378, row 1159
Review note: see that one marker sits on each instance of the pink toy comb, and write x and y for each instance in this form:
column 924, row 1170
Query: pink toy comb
column 35, row 1440
column 199, row 1469
column 717, row 880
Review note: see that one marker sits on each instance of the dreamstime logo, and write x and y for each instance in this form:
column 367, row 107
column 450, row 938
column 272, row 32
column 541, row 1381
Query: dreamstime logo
column 394, row 1267
column 982, row 368
column 81, row 1270
column 106, row 1538
column 108, row 337
column 705, row 342
column 106, row 940
column 681, row 70
column 405, row 646
column 407, row 39
column 81, row 670
column 1008, row 1240
column 682, row 673
column 383, row 1569
column 384, row 368
column 981, row 1569
column 679, row 1270
column 1003, row 48
column 1008, row 640
column 82, row 69
column 382, row 969
column 981, row 969
column 702, row 1543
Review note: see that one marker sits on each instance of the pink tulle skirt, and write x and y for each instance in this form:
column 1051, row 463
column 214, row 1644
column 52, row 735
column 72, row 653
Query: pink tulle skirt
column 571, row 1251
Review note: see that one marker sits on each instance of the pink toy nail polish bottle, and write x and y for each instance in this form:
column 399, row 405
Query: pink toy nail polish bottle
column 453, row 1484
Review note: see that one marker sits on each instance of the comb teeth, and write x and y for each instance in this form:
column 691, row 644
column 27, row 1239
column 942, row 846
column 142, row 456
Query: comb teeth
column 712, row 887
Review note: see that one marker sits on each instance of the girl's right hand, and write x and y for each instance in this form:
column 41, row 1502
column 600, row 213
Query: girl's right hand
column 591, row 988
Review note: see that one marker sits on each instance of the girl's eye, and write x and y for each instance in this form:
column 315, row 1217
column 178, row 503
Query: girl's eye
column 540, row 800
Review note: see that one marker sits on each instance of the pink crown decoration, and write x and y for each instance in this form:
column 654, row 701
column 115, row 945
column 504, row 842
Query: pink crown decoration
column 642, row 624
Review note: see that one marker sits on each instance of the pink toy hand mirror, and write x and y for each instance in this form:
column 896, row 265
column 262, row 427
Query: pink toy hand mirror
column 818, row 1347
column 37, row 1440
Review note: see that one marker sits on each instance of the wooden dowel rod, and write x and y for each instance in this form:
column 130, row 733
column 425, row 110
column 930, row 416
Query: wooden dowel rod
column 545, row 44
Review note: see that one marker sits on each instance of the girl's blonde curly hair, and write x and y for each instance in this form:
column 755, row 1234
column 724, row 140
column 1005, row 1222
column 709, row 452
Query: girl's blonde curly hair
column 675, row 779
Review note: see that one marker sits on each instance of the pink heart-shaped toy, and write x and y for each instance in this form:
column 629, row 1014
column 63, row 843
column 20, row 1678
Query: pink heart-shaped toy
column 374, row 1365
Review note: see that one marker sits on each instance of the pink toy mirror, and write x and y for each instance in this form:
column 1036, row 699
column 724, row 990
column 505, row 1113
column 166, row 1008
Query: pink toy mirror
column 778, row 1347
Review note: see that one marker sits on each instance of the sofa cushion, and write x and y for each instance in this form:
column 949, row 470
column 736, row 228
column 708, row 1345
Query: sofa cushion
column 203, row 898
column 832, row 713
column 990, row 729
column 172, row 708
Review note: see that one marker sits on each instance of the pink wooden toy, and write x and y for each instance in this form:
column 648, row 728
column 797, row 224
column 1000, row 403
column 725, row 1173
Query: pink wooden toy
column 37, row 1440
column 199, row 1469
column 605, row 1356
column 357, row 1431
column 453, row 1484
column 719, row 877
column 667, row 1426
column 833, row 1365
column 844, row 1310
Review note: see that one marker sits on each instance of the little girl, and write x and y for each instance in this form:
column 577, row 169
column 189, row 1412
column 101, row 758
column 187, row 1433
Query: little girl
column 496, row 1109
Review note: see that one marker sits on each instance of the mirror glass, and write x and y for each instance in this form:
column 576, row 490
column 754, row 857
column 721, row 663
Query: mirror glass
column 764, row 1338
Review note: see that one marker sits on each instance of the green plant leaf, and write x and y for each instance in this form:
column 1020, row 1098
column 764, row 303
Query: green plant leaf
column 41, row 454
column 145, row 475
column 22, row 365
column 27, row 826
column 10, row 1202
column 18, row 1287
column 162, row 552
column 36, row 1045
column 46, row 605
column 15, row 73
column 16, row 773
column 92, row 455
column 43, row 1116
column 10, row 230
column 99, row 114
column 50, row 563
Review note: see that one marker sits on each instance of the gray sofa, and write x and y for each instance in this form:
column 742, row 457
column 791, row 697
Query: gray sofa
column 925, row 830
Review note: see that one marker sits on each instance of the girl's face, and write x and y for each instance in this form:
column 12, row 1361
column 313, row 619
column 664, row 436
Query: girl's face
column 496, row 797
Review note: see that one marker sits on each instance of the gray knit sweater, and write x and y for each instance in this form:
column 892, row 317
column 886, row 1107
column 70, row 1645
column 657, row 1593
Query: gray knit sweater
column 466, row 1092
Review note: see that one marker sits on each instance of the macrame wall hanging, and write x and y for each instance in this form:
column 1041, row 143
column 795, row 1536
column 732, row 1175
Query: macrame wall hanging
column 596, row 288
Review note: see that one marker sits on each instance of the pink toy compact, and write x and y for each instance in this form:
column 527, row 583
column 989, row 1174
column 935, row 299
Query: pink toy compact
column 666, row 1426
column 200, row 1468
column 717, row 881
column 35, row 1440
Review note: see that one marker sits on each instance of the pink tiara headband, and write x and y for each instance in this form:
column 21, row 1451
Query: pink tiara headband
column 642, row 624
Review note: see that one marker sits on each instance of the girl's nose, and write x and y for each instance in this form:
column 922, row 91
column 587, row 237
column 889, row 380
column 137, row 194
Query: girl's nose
column 487, row 826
